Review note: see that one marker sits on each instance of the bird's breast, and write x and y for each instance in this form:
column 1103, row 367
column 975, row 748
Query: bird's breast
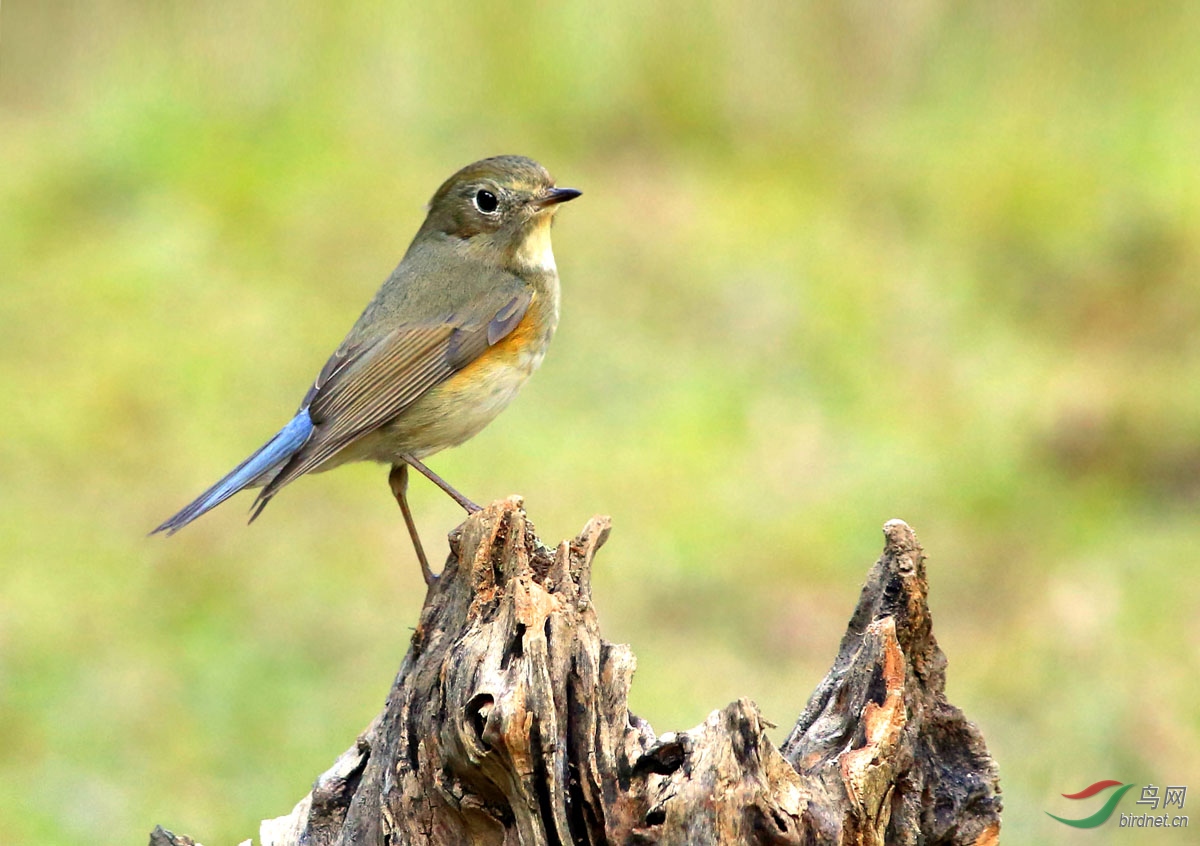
column 462, row 405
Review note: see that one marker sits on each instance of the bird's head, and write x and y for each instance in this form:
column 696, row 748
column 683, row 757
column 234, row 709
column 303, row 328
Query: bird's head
column 502, row 204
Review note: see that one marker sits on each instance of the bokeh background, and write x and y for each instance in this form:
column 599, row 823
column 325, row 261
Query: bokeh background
column 834, row 264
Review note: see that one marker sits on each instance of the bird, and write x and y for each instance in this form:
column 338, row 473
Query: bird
column 444, row 346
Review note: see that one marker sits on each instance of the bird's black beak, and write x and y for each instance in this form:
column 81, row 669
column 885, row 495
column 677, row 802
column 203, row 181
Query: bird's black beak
column 554, row 196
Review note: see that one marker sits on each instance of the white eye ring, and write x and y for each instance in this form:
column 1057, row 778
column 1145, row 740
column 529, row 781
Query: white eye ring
column 486, row 201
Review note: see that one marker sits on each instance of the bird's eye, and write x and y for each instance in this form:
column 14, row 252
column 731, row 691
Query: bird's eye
column 486, row 202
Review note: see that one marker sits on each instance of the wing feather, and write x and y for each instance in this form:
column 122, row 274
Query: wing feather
column 363, row 386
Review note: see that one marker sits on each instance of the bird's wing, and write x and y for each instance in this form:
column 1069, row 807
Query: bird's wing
column 367, row 383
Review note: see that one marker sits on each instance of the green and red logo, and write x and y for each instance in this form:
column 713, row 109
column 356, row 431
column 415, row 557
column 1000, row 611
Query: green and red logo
column 1157, row 803
column 1101, row 816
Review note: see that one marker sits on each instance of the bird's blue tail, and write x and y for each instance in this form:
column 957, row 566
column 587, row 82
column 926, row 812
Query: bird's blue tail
column 270, row 455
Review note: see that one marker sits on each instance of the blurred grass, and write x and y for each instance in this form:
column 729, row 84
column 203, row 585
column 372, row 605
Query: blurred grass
column 835, row 263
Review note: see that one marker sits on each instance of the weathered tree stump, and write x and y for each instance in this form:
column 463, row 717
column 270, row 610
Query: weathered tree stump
column 508, row 724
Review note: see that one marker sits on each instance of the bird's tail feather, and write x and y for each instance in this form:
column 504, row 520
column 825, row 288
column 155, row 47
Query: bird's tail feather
column 268, row 457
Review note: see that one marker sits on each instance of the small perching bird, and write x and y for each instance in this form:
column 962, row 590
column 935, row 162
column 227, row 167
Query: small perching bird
column 444, row 346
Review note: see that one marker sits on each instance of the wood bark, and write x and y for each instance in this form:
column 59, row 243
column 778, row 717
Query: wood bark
column 508, row 724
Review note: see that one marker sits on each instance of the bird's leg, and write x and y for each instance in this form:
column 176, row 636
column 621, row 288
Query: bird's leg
column 467, row 505
column 398, row 479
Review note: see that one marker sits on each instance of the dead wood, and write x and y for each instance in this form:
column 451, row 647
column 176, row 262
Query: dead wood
column 508, row 724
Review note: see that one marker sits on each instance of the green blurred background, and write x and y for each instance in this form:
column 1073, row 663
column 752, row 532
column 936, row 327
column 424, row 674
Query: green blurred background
column 834, row 264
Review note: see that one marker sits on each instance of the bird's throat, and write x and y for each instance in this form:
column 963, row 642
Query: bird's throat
column 533, row 253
